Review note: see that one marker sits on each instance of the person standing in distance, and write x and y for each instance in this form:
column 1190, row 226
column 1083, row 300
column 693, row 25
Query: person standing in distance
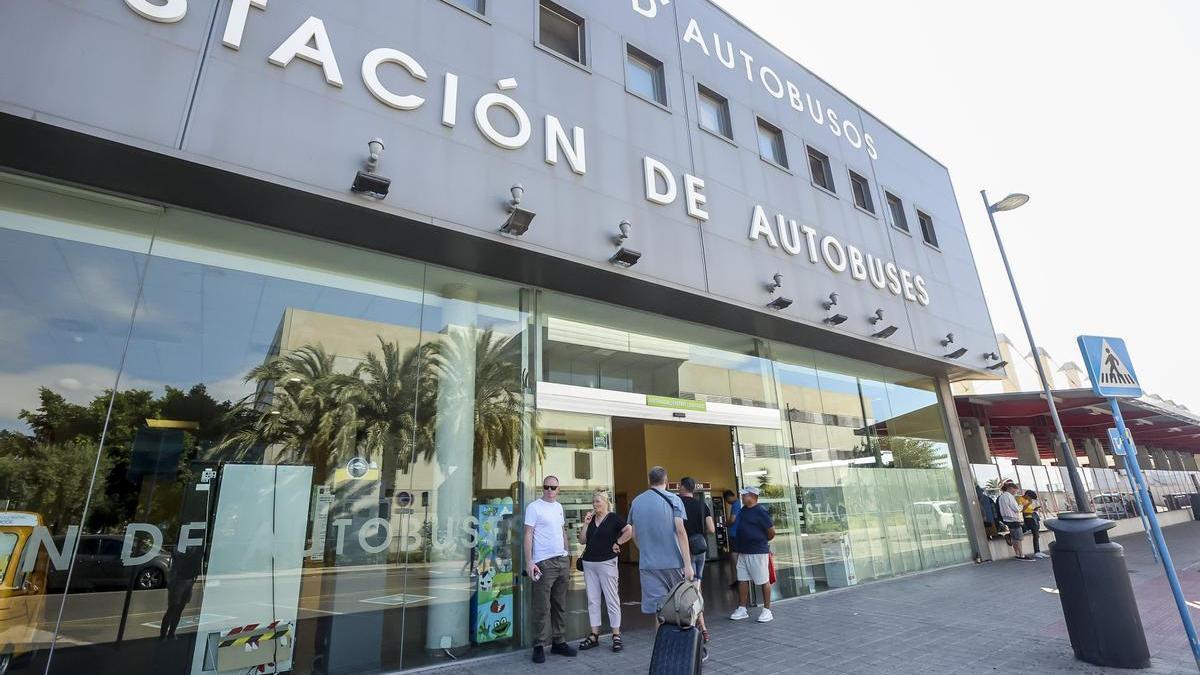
column 547, row 564
column 755, row 532
column 735, row 506
column 657, row 518
column 1010, row 513
column 699, row 525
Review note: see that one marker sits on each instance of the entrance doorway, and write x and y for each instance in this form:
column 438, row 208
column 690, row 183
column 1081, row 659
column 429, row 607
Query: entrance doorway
column 589, row 452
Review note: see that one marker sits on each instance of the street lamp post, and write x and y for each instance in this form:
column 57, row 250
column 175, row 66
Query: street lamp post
column 1065, row 455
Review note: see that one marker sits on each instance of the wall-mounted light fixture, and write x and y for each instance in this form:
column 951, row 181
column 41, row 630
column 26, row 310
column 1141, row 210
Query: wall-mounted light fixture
column 775, row 283
column 624, row 230
column 957, row 353
column 831, row 302
column 518, row 219
column 836, row 319
column 624, row 257
column 948, row 340
column 367, row 182
column 779, row 302
column 993, row 356
column 886, row 332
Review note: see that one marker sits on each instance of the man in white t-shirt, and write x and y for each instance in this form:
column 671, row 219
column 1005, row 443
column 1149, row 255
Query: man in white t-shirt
column 548, row 566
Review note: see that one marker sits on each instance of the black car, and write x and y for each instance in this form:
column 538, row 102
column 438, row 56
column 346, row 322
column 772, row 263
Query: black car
column 98, row 566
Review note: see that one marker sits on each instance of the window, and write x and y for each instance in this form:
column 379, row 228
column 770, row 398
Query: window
column 896, row 207
column 770, row 143
column 714, row 112
column 561, row 31
column 644, row 75
column 862, row 193
column 822, row 175
column 927, row 231
column 475, row 6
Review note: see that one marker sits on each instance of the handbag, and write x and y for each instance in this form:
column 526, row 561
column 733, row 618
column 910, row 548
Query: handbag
column 579, row 564
column 681, row 605
column 771, row 568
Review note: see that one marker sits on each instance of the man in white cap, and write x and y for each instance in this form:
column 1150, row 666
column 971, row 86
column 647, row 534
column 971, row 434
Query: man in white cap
column 755, row 532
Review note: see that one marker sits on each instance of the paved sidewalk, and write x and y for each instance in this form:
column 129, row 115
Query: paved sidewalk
column 994, row 617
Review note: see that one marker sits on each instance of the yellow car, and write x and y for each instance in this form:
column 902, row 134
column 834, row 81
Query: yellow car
column 22, row 594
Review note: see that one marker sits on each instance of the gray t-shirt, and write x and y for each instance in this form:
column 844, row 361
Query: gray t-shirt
column 653, row 523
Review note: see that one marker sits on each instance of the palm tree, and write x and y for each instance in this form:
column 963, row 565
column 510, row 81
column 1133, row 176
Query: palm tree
column 303, row 407
column 489, row 367
column 397, row 399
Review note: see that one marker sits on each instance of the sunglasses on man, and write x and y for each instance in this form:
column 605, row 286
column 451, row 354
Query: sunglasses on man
column 549, row 488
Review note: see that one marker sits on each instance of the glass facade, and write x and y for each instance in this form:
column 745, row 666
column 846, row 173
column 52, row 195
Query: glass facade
column 214, row 434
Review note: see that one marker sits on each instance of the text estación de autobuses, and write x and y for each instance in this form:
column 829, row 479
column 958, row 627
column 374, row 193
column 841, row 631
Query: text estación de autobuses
column 311, row 42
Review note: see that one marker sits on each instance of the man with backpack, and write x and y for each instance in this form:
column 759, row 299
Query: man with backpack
column 657, row 517
column 664, row 563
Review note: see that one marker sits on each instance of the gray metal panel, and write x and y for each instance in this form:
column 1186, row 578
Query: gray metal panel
column 290, row 124
column 100, row 64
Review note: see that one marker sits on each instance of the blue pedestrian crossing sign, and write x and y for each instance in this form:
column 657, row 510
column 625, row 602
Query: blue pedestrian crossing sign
column 1109, row 367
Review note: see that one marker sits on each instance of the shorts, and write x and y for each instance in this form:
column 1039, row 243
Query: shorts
column 656, row 584
column 1015, row 530
column 698, row 565
column 754, row 567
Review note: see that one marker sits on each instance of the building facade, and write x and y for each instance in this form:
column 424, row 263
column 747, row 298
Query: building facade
column 301, row 301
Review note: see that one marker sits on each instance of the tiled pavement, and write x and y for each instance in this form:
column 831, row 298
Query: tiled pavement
column 987, row 618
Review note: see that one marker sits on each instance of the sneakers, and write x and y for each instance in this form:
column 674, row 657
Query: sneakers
column 563, row 649
column 765, row 616
column 739, row 614
column 539, row 654
column 1039, row 554
column 1025, row 558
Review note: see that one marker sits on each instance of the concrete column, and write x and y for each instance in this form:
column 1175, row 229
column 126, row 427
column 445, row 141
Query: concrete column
column 962, row 471
column 1097, row 457
column 975, row 436
column 448, row 623
column 1026, row 444
column 1161, row 462
column 1189, row 461
column 1143, row 457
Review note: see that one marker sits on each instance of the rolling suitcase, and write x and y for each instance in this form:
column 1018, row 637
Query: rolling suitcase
column 677, row 651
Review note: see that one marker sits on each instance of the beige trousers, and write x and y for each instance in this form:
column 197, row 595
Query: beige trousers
column 601, row 581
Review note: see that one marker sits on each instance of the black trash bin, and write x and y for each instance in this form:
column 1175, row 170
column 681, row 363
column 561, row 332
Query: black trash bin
column 1096, row 593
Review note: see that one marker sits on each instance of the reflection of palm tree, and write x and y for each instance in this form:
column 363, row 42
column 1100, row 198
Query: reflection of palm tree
column 397, row 396
column 387, row 407
column 303, row 407
column 489, row 367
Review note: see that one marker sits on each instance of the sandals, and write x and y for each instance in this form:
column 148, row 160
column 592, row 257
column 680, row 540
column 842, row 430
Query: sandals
column 589, row 642
column 617, row 646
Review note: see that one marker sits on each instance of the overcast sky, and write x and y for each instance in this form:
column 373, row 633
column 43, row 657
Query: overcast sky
column 1089, row 107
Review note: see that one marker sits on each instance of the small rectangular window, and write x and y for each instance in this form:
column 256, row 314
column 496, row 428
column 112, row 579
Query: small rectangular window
column 561, row 31
column 822, row 174
column 770, row 143
column 896, row 208
column 714, row 112
column 927, row 231
column 644, row 75
column 862, row 193
column 476, row 6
